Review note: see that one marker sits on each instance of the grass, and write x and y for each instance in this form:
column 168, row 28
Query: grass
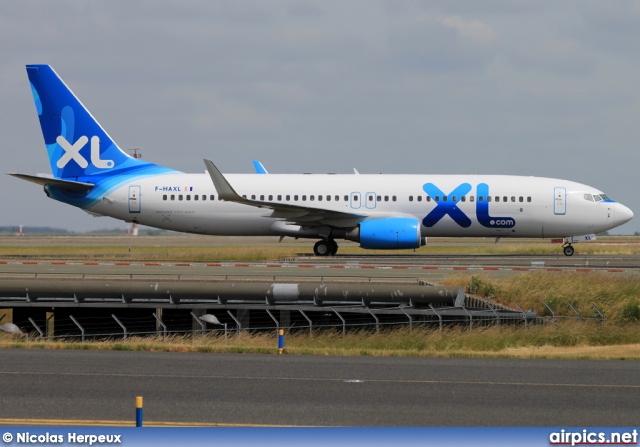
column 615, row 296
column 570, row 340
column 152, row 249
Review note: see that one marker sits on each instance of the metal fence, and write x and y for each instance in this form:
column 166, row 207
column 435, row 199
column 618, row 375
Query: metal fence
column 225, row 322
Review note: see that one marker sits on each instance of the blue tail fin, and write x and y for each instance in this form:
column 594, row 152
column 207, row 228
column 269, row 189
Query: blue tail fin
column 77, row 145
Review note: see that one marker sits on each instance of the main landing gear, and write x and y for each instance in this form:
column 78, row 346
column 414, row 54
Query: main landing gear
column 325, row 247
column 568, row 250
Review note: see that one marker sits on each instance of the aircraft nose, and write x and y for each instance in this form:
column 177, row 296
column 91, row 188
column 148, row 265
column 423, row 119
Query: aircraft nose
column 623, row 214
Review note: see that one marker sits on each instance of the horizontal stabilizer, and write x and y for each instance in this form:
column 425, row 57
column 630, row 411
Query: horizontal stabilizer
column 44, row 180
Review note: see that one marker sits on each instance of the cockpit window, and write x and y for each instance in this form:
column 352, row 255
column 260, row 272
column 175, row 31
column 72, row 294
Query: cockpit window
column 604, row 197
column 597, row 198
column 588, row 197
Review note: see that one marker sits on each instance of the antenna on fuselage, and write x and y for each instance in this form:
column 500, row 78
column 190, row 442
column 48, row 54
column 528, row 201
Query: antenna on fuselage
column 136, row 152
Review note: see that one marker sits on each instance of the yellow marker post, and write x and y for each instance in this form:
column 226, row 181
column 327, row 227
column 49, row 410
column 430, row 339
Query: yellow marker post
column 139, row 411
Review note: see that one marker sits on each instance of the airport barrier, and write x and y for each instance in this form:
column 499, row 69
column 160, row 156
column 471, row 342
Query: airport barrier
column 174, row 292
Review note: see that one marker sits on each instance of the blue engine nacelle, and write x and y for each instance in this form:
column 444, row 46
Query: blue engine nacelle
column 388, row 233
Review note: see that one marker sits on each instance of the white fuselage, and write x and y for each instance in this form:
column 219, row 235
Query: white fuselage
column 518, row 206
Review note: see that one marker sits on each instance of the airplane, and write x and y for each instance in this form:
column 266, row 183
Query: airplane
column 379, row 211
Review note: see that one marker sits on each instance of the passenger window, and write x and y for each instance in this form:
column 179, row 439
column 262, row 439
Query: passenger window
column 288, row 197
column 419, row 198
column 497, row 198
column 370, row 198
column 504, row 199
column 454, row 198
column 428, row 198
column 304, row 198
column 328, row 198
column 488, row 198
column 437, row 198
column 196, row 197
column 312, row 197
column 470, row 198
column 520, row 199
column 346, row 198
column 188, row 196
column 394, row 198
column 379, row 198
column 444, row 198
column 463, row 198
column 386, row 198
column 253, row 197
column 204, row 197
column 279, row 198
column 180, row 197
column 337, row 198
column 356, row 198
column 270, row 197
column 513, row 198
column 319, row 198
column 164, row 197
column 262, row 197
column 173, row 197
column 528, row 199
column 480, row 198
column 212, row 197
column 410, row 198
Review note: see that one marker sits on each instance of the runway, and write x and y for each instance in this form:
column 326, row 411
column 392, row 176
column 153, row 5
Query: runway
column 225, row 389
column 380, row 268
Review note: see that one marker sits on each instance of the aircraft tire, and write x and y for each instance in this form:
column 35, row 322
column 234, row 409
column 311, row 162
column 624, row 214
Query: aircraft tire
column 569, row 250
column 322, row 248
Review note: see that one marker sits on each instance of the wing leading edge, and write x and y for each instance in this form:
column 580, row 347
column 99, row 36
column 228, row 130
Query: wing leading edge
column 293, row 214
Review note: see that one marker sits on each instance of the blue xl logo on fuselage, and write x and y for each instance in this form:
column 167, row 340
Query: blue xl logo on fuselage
column 447, row 204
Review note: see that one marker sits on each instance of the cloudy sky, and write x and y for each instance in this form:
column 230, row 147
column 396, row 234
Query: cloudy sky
column 541, row 88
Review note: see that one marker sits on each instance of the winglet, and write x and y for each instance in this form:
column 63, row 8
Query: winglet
column 225, row 190
column 259, row 168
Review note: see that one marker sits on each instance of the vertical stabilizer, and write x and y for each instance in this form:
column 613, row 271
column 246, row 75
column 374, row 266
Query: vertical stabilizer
column 78, row 147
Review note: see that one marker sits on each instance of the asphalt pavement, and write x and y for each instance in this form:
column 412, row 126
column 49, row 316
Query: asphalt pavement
column 284, row 390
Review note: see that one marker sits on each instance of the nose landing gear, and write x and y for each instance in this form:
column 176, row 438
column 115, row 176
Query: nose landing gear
column 325, row 247
column 568, row 250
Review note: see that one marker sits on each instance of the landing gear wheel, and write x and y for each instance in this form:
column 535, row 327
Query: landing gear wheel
column 333, row 248
column 568, row 250
column 322, row 248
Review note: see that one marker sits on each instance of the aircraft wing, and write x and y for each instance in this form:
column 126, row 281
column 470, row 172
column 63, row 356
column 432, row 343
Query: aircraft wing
column 296, row 214
column 46, row 180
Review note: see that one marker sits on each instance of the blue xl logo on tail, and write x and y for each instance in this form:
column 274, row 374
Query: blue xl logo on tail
column 447, row 205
